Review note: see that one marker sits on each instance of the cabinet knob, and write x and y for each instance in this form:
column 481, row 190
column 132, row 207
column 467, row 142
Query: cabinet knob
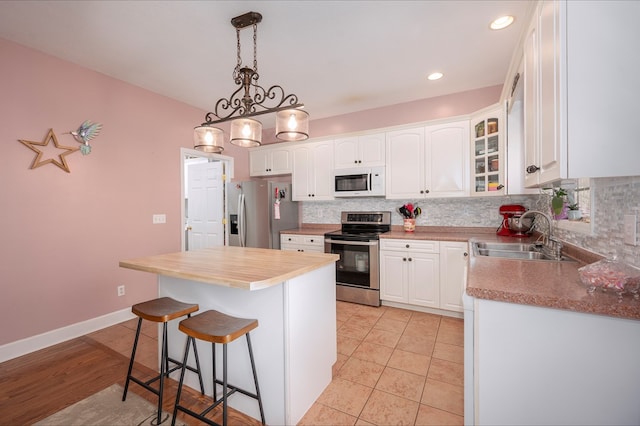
column 355, row 161
column 289, row 239
column 426, row 191
column 312, row 240
column 500, row 187
column 407, row 246
column 410, row 259
column 532, row 169
column 421, row 191
column 465, row 254
column 404, row 259
column 359, row 161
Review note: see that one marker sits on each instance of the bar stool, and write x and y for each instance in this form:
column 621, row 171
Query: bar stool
column 216, row 327
column 161, row 310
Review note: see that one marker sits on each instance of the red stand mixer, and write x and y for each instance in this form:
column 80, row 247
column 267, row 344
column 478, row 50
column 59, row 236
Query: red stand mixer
column 511, row 225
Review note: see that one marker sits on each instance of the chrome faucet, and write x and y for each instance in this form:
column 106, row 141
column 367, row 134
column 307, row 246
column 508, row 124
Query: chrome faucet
column 548, row 241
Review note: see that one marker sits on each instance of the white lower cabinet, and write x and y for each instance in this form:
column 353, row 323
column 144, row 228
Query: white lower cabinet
column 423, row 273
column 299, row 242
column 409, row 272
column 453, row 263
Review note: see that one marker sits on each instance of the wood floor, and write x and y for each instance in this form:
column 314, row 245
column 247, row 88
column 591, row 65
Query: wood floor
column 34, row 386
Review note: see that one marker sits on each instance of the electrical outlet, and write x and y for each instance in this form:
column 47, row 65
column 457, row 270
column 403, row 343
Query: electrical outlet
column 120, row 290
column 630, row 229
column 159, row 218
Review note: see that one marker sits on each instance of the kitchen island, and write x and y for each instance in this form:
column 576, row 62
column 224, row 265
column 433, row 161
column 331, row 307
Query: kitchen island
column 291, row 294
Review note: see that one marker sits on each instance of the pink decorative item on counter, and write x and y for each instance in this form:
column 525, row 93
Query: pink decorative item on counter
column 611, row 275
column 409, row 225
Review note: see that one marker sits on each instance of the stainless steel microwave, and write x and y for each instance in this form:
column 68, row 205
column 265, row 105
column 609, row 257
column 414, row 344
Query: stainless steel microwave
column 359, row 182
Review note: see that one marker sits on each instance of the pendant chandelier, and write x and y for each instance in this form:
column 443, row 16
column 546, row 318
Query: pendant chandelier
column 248, row 101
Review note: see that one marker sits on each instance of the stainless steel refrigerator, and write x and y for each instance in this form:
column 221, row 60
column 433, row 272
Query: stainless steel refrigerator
column 258, row 211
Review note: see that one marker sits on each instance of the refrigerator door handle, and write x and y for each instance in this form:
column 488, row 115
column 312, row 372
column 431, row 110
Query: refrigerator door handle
column 242, row 229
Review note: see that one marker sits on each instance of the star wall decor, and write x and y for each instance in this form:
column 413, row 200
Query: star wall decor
column 38, row 161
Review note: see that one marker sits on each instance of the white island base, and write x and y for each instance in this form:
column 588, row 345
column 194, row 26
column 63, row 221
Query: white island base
column 294, row 345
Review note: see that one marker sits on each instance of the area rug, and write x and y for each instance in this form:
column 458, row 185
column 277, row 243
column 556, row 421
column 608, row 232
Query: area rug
column 106, row 408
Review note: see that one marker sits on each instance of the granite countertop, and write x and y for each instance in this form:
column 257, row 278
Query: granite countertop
column 312, row 229
column 240, row 267
column 527, row 282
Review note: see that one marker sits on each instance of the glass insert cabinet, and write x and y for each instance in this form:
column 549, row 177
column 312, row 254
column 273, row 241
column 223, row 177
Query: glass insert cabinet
column 487, row 148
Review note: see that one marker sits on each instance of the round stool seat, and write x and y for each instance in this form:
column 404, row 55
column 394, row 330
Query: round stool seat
column 216, row 327
column 163, row 309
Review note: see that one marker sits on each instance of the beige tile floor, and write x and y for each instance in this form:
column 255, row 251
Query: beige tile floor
column 395, row 367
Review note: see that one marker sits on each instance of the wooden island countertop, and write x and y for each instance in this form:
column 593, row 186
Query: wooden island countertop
column 239, row 267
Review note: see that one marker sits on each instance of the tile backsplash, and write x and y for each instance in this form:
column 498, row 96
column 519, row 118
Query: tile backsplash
column 612, row 199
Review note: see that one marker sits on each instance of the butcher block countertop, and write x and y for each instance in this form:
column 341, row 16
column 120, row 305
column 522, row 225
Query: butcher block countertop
column 526, row 282
column 240, row 267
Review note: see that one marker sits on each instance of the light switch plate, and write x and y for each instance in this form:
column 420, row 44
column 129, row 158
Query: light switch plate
column 630, row 229
column 159, row 218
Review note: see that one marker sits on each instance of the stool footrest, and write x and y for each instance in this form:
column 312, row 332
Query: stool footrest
column 196, row 415
column 237, row 389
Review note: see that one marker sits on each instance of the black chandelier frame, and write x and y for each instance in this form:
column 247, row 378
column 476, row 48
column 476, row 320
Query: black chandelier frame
column 241, row 104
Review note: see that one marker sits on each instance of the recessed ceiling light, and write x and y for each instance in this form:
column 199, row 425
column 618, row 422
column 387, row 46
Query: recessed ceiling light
column 435, row 76
column 502, row 22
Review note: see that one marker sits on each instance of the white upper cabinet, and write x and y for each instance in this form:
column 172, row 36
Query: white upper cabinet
column 581, row 86
column 428, row 162
column 312, row 174
column 488, row 152
column 270, row 160
column 366, row 151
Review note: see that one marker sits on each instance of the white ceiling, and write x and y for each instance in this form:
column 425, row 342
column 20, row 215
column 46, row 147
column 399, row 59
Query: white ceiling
column 337, row 56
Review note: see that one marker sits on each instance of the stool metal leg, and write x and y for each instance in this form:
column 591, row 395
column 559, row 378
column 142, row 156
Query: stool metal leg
column 195, row 354
column 213, row 369
column 255, row 378
column 133, row 354
column 182, row 371
column 224, row 384
column 164, row 368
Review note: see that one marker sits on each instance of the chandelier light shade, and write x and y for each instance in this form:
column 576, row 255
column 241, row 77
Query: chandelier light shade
column 250, row 100
column 246, row 132
column 208, row 139
column 292, row 125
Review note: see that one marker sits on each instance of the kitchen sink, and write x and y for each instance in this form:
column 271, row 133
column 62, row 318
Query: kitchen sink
column 515, row 251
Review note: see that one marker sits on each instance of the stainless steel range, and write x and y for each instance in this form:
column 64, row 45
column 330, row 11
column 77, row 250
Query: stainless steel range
column 358, row 270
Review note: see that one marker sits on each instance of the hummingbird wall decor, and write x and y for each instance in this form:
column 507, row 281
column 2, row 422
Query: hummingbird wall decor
column 86, row 132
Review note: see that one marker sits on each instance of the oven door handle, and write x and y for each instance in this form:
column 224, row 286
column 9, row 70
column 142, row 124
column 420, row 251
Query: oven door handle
column 351, row 243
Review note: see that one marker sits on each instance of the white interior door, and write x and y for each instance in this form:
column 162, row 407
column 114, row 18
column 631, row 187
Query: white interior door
column 205, row 205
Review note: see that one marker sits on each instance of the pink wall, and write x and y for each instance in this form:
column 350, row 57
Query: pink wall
column 62, row 234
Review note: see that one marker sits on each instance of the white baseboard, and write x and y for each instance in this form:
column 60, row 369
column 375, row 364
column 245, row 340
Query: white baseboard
column 53, row 337
column 424, row 309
